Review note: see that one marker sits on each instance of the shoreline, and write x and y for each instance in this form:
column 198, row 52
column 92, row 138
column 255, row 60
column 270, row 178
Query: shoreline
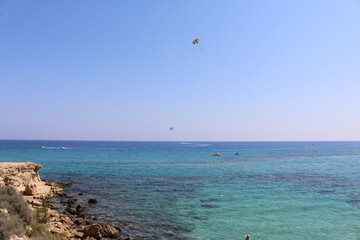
column 68, row 215
column 74, row 219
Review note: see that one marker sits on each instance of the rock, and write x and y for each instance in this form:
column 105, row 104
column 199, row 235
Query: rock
column 71, row 211
column 79, row 221
column 61, row 194
column 4, row 212
column 14, row 237
column 52, row 206
column 76, row 233
column 92, row 201
column 100, row 231
column 79, row 208
column 54, row 213
column 80, row 194
column 24, row 177
column 70, row 201
column 57, row 227
column 37, row 203
column 67, row 221
column 28, row 199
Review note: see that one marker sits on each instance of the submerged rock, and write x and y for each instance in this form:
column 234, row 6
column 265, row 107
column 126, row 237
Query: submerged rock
column 200, row 218
column 210, row 205
column 71, row 201
column 209, row 200
column 92, row 201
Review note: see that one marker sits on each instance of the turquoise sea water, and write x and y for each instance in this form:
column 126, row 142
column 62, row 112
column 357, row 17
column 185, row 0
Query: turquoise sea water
column 170, row 190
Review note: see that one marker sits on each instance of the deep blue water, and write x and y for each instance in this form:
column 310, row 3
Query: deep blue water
column 170, row 190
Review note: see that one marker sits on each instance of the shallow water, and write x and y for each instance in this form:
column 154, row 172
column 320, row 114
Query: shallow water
column 170, row 190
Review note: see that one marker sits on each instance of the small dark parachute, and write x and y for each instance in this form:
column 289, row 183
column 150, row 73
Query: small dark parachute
column 196, row 41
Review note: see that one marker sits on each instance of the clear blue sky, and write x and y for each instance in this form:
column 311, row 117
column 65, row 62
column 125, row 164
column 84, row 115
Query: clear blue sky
column 127, row 70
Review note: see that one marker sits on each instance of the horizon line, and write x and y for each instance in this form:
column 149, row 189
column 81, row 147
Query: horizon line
column 179, row 140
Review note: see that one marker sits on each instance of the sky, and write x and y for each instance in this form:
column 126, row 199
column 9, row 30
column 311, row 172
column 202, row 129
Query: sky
column 264, row 70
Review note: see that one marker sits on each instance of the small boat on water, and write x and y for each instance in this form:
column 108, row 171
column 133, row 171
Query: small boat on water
column 217, row 154
column 237, row 153
column 62, row 147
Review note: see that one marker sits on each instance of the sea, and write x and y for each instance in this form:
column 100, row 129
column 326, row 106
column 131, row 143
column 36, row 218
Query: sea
column 179, row 190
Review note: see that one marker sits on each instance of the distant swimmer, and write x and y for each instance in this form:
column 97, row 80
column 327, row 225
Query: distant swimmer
column 237, row 153
column 247, row 237
column 221, row 195
column 217, row 154
column 62, row 147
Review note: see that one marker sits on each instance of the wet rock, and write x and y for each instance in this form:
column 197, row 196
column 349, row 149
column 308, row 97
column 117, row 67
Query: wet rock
column 52, row 206
column 92, row 201
column 88, row 221
column 80, row 221
column 80, row 194
column 100, row 231
column 71, row 211
column 79, row 208
column 61, row 194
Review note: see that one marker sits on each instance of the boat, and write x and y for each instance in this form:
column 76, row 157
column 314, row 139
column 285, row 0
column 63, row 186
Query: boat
column 237, row 153
column 217, row 154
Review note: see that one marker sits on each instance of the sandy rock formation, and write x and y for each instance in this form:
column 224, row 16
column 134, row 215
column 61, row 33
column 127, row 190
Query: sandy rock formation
column 24, row 177
column 14, row 237
column 100, row 231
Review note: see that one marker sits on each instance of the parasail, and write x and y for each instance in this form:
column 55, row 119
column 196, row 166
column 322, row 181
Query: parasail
column 196, row 41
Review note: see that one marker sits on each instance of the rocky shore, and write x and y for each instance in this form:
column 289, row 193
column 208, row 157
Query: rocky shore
column 70, row 219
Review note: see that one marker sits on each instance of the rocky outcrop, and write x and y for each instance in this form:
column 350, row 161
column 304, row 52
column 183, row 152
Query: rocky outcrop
column 100, row 231
column 24, row 177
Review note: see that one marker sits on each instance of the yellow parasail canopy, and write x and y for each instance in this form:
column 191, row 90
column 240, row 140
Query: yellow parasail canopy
column 196, row 41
